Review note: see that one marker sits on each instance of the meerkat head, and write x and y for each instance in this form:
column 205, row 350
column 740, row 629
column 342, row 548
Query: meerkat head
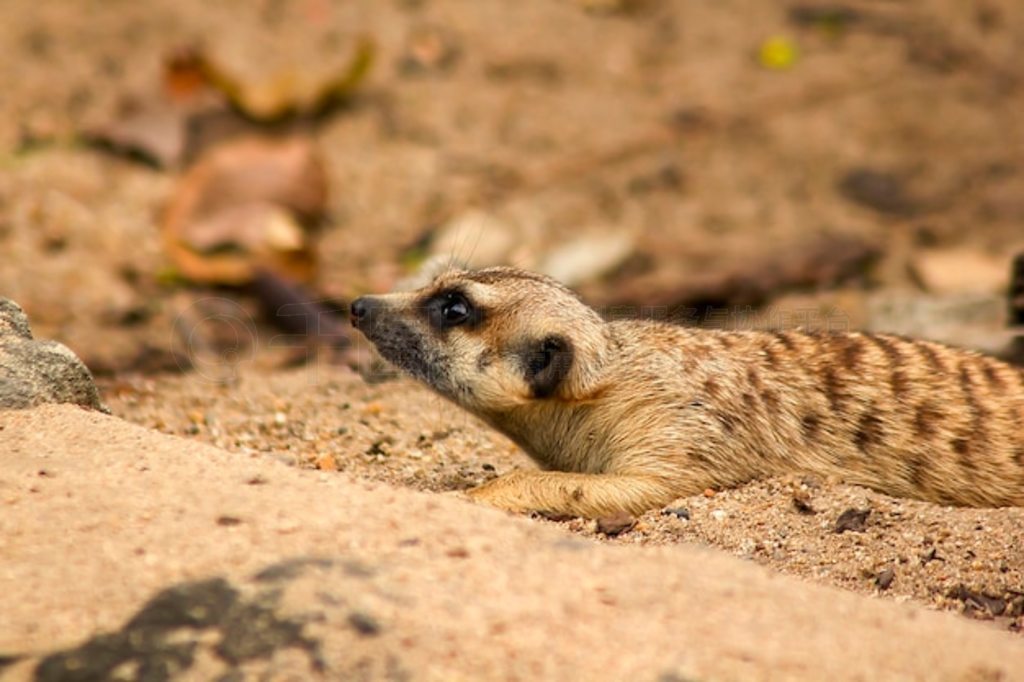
column 489, row 339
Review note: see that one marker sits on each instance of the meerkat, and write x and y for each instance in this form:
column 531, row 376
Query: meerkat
column 629, row 415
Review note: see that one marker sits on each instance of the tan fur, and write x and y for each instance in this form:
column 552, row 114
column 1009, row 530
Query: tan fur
column 648, row 412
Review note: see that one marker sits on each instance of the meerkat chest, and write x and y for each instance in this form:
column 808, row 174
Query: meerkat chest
column 560, row 438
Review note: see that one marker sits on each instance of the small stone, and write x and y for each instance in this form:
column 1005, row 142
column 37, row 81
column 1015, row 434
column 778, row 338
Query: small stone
column 802, row 502
column 678, row 512
column 280, row 418
column 429, row 48
column 879, row 190
column 978, row 603
column 381, row 446
column 709, row 492
column 884, row 579
column 854, row 520
column 34, row 372
column 616, row 524
column 719, row 515
column 553, row 516
column 326, row 462
column 960, row 271
column 364, row 623
column 810, row 482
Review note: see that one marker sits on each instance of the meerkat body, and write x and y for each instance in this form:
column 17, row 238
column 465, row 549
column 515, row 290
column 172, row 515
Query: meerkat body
column 628, row 415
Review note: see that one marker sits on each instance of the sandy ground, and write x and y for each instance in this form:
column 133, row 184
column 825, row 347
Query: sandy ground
column 265, row 571
column 322, row 417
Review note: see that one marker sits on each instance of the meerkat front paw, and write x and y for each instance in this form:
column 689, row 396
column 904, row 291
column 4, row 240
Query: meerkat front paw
column 505, row 492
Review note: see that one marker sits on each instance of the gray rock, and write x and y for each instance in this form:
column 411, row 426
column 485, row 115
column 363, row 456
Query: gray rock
column 35, row 372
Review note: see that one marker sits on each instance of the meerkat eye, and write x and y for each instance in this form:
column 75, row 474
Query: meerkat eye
column 454, row 310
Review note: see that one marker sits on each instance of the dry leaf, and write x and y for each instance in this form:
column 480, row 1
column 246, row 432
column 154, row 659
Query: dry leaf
column 249, row 205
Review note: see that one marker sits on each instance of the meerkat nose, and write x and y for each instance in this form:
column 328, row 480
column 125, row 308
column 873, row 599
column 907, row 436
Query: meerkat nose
column 361, row 310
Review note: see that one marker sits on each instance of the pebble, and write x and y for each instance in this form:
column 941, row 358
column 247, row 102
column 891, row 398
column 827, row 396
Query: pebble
column 802, row 502
column 616, row 524
column 678, row 512
column 719, row 515
column 364, row 623
column 326, row 462
column 884, row 579
column 854, row 520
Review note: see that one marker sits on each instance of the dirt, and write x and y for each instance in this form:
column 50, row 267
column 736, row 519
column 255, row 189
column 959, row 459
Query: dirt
column 887, row 146
column 182, row 561
column 327, row 418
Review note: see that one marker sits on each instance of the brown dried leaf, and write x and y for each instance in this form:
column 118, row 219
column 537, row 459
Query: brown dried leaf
column 288, row 93
column 248, row 205
column 155, row 134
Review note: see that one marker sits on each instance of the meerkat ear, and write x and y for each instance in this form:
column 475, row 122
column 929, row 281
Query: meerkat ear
column 547, row 364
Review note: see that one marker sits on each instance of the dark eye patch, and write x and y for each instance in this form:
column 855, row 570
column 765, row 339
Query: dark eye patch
column 452, row 308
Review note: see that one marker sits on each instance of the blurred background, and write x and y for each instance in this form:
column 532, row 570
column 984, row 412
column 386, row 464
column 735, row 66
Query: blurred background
column 187, row 180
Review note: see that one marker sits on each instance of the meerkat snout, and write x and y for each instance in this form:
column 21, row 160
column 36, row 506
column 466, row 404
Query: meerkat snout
column 361, row 311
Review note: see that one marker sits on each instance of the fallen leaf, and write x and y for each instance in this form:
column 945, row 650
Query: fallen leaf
column 154, row 133
column 249, row 205
column 587, row 258
column 288, row 92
